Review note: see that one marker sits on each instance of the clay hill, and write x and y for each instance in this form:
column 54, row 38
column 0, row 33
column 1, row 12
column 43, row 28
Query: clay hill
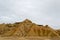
column 26, row 29
column 58, row 31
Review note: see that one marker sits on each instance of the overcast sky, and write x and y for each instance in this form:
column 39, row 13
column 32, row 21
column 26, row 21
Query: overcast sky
column 38, row 11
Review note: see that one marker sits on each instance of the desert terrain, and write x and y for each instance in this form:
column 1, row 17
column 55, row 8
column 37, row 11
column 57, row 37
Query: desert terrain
column 27, row 30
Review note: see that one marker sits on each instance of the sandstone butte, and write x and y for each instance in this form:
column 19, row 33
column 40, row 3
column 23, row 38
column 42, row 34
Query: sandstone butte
column 26, row 29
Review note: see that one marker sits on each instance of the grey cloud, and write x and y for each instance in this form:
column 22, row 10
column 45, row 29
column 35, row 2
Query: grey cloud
column 39, row 11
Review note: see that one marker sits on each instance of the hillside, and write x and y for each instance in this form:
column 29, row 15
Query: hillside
column 27, row 29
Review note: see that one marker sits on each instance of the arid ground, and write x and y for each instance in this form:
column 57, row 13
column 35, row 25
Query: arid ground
column 28, row 30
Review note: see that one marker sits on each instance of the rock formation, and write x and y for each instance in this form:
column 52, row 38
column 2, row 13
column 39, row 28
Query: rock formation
column 26, row 29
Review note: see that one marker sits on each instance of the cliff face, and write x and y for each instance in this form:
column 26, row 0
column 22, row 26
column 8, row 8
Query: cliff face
column 27, row 28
